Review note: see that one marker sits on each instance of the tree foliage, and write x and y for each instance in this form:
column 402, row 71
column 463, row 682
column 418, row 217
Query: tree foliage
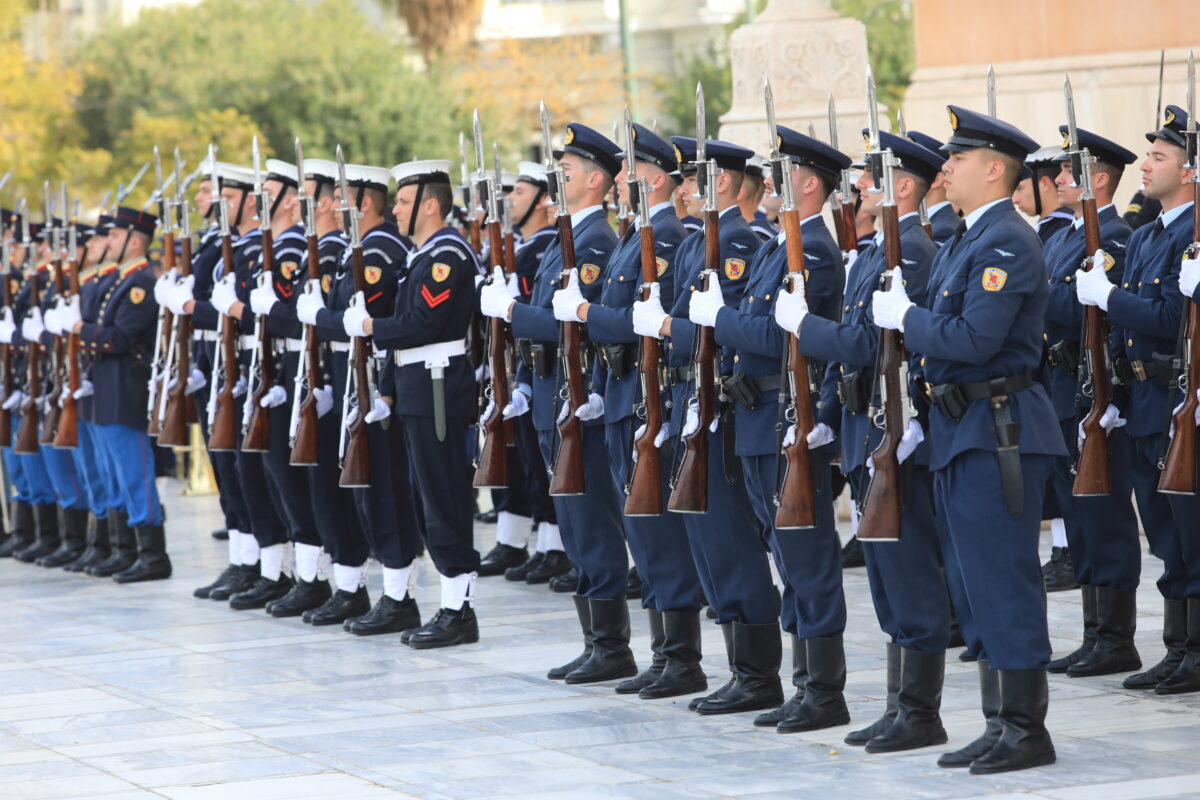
column 440, row 25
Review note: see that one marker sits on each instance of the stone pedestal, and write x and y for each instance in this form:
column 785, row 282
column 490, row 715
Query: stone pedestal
column 808, row 52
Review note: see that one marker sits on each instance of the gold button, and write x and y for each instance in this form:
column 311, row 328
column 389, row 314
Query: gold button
column 768, row 297
column 1067, row 279
column 946, row 293
column 1156, row 280
column 1046, row 337
column 736, row 359
column 619, row 277
column 1129, row 343
column 1126, row 285
column 847, row 308
column 750, row 300
column 860, row 303
column 922, row 361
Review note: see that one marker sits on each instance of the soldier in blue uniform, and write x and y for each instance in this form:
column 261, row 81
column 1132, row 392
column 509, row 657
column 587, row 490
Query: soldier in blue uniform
column 814, row 607
column 943, row 218
column 122, row 338
column 992, row 437
column 1102, row 532
column 428, row 387
column 1144, row 312
column 1037, row 194
column 590, row 523
column 751, row 196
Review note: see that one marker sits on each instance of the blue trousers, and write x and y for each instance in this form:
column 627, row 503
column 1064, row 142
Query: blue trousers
column 98, row 485
column 387, row 511
column 29, row 474
column 131, row 460
column 68, row 490
column 224, row 465
column 288, row 483
column 1163, row 531
column 441, row 473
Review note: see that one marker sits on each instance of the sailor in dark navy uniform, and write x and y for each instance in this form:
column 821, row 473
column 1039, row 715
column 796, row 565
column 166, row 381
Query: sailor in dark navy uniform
column 943, row 218
column 428, row 387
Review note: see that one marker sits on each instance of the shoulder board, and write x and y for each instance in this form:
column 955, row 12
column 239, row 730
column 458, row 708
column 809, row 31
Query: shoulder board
column 133, row 266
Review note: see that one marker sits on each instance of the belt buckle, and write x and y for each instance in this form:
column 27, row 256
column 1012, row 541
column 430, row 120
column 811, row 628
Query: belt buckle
column 1139, row 370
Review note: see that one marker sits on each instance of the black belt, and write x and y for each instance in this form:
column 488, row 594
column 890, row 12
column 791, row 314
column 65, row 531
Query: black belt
column 679, row 375
column 1162, row 369
column 619, row 359
column 747, row 391
column 953, row 398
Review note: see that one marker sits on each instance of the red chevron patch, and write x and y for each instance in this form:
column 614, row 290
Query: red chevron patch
column 434, row 300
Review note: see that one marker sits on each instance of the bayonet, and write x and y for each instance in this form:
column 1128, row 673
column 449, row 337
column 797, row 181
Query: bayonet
column 1158, row 106
column 781, row 165
column 222, row 206
column 874, row 147
column 833, row 134
column 104, row 202
column 631, row 181
column 1191, row 110
column 124, row 190
column 555, row 183
column 308, row 203
column 706, row 169
column 464, row 172
column 185, row 223
column 498, row 194
column 348, row 211
column 991, row 91
column 1081, row 160
column 4, row 180
column 812, row 130
column 261, row 195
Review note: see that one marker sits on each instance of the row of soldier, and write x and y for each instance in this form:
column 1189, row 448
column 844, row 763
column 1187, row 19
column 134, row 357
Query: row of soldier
column 990, row 313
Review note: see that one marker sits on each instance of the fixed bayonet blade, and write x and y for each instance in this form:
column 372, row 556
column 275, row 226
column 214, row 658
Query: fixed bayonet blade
column 701, row 150
column 901, row 128
column 254, row 154
column 463, row 170
column 872, row 111
column 300, row 165
column 991, row 91
column 1193, row 146
column 833, row 136
column 499, row 192
column 125, row 190
column 547, row 151
column 772, row 131
column 1072, row 131
column 4, row 180
column 23, row 213
column 158, row 181
column 629, row 168
column 477, row 128
column 1158, row 106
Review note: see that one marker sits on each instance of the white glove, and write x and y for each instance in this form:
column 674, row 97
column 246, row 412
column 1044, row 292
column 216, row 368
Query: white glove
column 791, row 308
column 180, row 295
column 512, row 283
column 691, row 422
column 648, row 315
column 51, row 320
column 518, row 405
column 888, row 308
column 848, row 258
column 86, row 389
column 14, row 400
column 275, row 396
column 819, row 436
column 355, row 316
column 32, row 327
column 7, row 327
column 567, row 301
column 592, row 409
column 1093, row 287
column 263, row 299
column 704, row 305
column 309, row 303
column 324, row 396
column 494, row 299
column 164, row 285
column 224, row 295
column 379, row 410
column 1189, row 276
column 195, row 382
column 63, row 395
column 1111, row 418
column 239, row 388
column 913, row 436
column 68, row 314
column 664, row 433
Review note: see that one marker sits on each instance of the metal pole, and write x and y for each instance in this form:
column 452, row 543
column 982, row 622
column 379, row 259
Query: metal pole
column 631, row 88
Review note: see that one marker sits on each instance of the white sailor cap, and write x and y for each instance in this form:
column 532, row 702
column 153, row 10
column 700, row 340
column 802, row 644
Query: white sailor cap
column 532, row 172
column 369, row 177
column 434, row 170
column 1043, row 155
column 759, row 164
column 320, row 170
column 282, row 171
column 508, row 179
column 235, row 176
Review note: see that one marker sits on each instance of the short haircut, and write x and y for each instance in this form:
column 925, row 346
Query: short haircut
column 379, row 198
column 1012, row 170
column 1113, row 172
column 737, row 177
column 443, row 193
column 590, row 166
column 754, row 185
column 828, row 182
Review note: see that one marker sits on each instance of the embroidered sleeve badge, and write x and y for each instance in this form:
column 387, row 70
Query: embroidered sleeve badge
column 137, row 295
column 735, row 268
column 588, row 273
column 993, row 279
column 441, row 272
column 373, row 274
column 662, row 265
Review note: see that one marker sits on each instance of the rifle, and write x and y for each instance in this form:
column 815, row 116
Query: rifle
column 689, row 491
column 356, row 462
column 1179, row 465
column 304, row 421
column 164, row 335
column 491, row 468
column 256, row 420
column 841, row 202
column 57, row 240
column 222, row 419
column 644, row 488
column 567, row 475
column 884, row 501
column 922, row 207
column 67, row 434
column 173, row 409
column 6, row 350
column 27, row 434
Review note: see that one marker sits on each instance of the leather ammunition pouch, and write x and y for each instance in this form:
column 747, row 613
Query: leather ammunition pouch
column 1065, row 355
column 678, row 375
column 543, row 359
column 1162, row 368
column 619, row 359
column 854, row 391
column 954, row 398
column 747, row 391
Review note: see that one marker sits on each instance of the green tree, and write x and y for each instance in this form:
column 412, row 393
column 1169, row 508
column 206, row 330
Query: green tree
column 890, row 46
column 677, row 93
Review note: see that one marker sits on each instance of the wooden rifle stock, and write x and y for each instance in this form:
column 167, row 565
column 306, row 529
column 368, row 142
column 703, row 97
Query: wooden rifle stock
column 67, row 435
column 356, row 464
column 27, row 434
column 492, row 469
column 1091, row 471
column 568, row 477
column 645, row 479
column 306, row 448
column 257, row 436
column 160, row 379
column 847, row 233
column 173, row 431
column 57, row 369
column 6, row 367
column 223, row 434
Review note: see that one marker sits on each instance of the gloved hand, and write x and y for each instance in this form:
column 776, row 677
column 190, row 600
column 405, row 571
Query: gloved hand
column 518, row 404
column 275, row 396
column 513, row 284
column 1111, row 418
column 567, row 301
column 592, row 409
column 355, row 315
column 14, row 400
column 86, row 389
column 1093, row 288
column 888, row 308
column 914, row 434
column 324, row 398
column 819, row 436
column 51, row 318
column 263, row 299
column 7, row 327
column 309, row 303
column 380, row 409
column 691, row 422
column 648, row 315
column 68, row 314
column 494, row 299
column 239, row 388
column 791, row 308
column 848, row 258
column 32, row 327
column 664, row 433
column 704, row 305
column 180, row 295
column 195, row 382
column 224, row 295
column 63, row 394
column 164, row 285
column 1189, row 276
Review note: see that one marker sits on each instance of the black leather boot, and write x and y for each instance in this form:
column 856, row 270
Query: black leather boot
column 240, row 579
column 799, row 677
column 122, row 547
column 918, row 721
column 230, row 573
column 447, row 629
column 1024, row 741
column 682, row 649
column 657, row 659
column 611, row 658
column 339, row 608
column 1186, row 677
column 584, row 612
column 757, row 651
column 823, row 705
column 852, row 554
column 956, row 634
column 388, row 616
column 304, row 596
column 152, row 563
column 567, row 582
column 633, row 584
column 552, row 564
column 1114, row 651
column 519, row 572
column 1175, row 621
column 989, row 695
column 73, row 541
column 97, row 546
column 48, row 537
column 222, row 534
column 1061, row 576
column 861, row 737
column 727, row 632
column 500, row 558
column 262, row 592
column 24, row 532
column 1091, row 621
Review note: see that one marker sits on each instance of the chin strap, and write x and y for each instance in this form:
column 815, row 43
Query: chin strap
column 532, row 207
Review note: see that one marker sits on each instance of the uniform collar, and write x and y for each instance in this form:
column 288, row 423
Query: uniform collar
column 1168, row 217
column 655, row 210
column 133, row 265
column 978, row 213
column 1077, row 223
column 577, row 217
column 878, row 238
column 936, row 207
column 781, row 237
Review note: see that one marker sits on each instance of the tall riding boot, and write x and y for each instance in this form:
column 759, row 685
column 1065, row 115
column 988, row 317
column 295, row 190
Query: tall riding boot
column 74, row 539
column 989, row 695
column 1116, row 614
column 727, row 633
column 1175, row 621
column 657, row 660
column 611, row 657
column 757, row 651
column 799, row 677
column 152, row 562
column 861, row 737
column 823, row 706
column 24, row 531
column 681, row 649
column 1186, row 677
column 1091, row 621
column 122, row 547
column 48, row 536
column 1024, row 741
column 584, row 612
column 918, row 721
column 97, row 546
